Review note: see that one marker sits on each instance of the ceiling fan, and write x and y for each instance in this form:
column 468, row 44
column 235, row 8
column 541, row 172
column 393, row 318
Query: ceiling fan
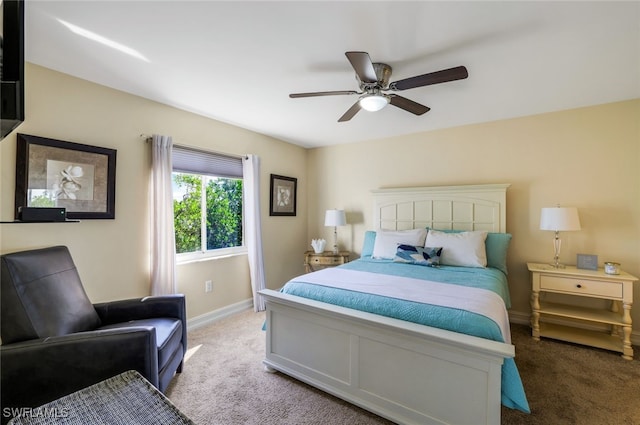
column 373, row 79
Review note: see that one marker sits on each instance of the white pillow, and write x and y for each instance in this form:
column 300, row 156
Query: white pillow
column 387, row 241
column 465, row 249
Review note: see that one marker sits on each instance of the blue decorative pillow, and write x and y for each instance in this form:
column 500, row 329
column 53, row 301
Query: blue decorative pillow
column 369, row 242
column 426, row 256
column 497, row 245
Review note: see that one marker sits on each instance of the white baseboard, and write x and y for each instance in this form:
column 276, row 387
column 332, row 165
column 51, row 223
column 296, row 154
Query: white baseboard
column 521, row 318
column 221, row 313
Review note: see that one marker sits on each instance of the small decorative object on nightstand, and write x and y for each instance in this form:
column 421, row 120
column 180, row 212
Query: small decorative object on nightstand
column 318, row 245
column 313, row 261
column 611, row 268
column 587, row 262
column 583, row 283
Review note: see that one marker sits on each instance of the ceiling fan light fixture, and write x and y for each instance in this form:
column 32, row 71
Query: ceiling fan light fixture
column 373, row 102
column 373, row 80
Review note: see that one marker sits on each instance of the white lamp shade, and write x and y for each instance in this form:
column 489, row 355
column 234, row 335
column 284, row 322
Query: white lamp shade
column 559, row 219
column 373, row 102
column 335, row 218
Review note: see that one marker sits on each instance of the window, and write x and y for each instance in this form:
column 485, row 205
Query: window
column 207, row 203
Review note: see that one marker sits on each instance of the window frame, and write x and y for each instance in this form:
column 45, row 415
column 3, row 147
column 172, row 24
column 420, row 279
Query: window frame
column 195, row 256
column 205, row 254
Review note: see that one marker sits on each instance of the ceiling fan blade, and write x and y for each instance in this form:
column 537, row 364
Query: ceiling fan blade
column 323, row 93
column 408, row 105
column 446, row 75
column 350, row 113
column 361, row 63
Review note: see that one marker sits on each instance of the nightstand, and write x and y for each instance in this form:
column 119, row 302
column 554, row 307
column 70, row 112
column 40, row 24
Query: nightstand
column 582, row 283
column 313, row 261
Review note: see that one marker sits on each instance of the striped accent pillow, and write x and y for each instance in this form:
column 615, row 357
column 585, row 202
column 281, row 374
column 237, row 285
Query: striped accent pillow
column 422, row 256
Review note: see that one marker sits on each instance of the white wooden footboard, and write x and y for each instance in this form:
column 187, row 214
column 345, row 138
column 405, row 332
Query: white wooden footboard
column 408, row 373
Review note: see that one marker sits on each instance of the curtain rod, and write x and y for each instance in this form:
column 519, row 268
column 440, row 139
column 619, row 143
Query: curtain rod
column 148, row 138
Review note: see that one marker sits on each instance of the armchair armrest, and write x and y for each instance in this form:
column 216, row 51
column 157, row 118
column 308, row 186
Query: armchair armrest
column 172, row 306
column 38, row 371
column 143, row 308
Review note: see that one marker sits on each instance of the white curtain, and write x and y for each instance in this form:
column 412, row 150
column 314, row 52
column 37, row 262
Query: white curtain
column 253, row 228
column 163, row 257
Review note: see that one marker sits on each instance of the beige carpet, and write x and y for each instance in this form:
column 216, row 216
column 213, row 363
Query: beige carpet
column 223, row 383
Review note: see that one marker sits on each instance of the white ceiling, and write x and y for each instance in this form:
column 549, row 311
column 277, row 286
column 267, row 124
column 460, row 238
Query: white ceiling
column 237, row 61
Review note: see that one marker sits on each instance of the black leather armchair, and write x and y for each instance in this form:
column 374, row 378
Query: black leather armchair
column 55, row 342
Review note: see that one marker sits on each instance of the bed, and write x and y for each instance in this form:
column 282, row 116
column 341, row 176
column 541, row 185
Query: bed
column 424, row 360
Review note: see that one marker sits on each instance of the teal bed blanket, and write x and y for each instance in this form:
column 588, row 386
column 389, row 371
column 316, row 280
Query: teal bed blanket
column 452, row 319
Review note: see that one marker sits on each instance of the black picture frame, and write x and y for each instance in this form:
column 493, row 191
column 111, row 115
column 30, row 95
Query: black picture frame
column 75, row 176
column 283, row 195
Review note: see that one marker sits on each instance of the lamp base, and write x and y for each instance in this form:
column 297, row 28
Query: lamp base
column 557, row 243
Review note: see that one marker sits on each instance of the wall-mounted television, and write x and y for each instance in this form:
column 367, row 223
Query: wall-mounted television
column 11, row 65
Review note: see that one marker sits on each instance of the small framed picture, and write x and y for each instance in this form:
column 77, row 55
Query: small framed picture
column 282, row 200
column 587, row 262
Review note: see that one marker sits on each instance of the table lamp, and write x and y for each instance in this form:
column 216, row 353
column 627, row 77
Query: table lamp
column 559, row 219
column 335, row 218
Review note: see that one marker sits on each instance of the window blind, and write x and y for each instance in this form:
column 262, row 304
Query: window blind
column 195, row 161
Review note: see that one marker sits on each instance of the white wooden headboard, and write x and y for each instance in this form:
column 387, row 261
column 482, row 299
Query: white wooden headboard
column 469, row 207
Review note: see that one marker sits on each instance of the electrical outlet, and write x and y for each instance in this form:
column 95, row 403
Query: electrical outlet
column 208, row 286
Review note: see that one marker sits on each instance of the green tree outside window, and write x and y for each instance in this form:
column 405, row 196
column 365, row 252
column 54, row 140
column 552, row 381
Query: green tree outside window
column 223, row 212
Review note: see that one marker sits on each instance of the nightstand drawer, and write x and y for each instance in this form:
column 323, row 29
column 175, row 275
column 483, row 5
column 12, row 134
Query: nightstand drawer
column 326, row 261
column 579, row 286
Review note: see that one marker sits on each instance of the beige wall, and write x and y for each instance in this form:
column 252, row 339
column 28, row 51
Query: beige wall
column 588, row 158
column 113, row 255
